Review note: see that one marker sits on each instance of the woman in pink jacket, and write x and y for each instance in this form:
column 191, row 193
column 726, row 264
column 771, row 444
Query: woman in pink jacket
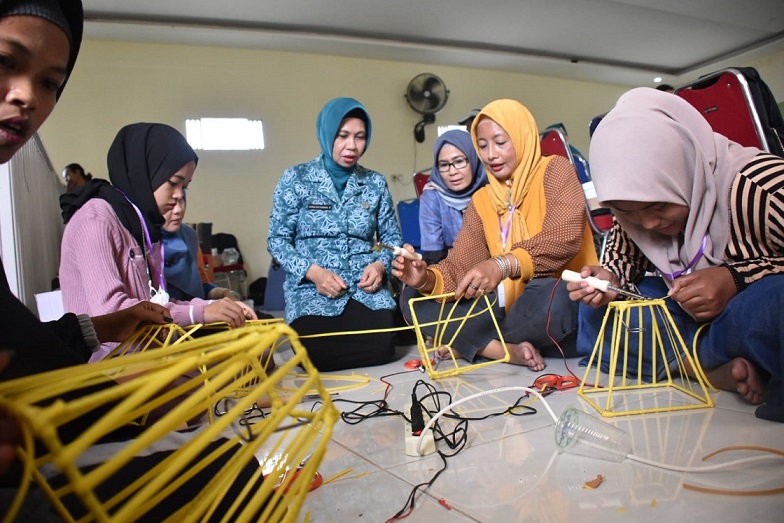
column 111, row 249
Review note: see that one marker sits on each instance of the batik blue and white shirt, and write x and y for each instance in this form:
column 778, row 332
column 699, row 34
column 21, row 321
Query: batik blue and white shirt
column 310, row 224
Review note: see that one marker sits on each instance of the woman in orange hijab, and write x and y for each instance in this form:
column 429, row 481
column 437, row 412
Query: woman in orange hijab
column 520, row 231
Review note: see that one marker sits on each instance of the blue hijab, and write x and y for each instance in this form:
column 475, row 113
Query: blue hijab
column 327, row 127
column 461, row 140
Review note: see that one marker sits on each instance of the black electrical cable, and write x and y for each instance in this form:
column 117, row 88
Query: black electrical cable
column 456, row 439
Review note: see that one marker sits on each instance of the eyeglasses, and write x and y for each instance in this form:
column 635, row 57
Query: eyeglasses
column 458, row 163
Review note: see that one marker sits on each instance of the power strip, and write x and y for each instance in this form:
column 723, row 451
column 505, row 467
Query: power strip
column 428, row 442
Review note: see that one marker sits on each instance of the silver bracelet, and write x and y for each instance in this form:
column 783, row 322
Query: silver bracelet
column 504, row 265
column 500, row 265
column 423, row 285
column 517, row 270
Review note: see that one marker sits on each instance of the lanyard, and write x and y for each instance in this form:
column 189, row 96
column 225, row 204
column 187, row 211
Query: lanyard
column 691, row 264
column 506, row 230
column 151, row 260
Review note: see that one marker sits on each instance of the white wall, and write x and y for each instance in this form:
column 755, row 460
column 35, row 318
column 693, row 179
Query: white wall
column 30, row 223
column 117, row 83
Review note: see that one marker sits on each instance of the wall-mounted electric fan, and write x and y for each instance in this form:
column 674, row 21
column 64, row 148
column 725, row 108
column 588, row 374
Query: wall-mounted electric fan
column 426, row 94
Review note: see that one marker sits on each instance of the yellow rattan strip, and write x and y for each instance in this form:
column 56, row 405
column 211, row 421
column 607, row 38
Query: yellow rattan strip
column 162, row 390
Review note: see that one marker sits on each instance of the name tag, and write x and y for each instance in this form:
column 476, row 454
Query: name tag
column 319, row 207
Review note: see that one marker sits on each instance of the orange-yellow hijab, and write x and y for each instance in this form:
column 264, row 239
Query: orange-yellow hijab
column 492, row 202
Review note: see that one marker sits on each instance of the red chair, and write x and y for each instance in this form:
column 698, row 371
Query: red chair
column 554, row 142
column 725, row 99
column 420, row 180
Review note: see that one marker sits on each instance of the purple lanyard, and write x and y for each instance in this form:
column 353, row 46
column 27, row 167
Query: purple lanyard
column 691, row 264
column 148, row 242
column 505, row 230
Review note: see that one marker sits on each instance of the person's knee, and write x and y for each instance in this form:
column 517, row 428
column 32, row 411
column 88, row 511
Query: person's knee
column 764, row 299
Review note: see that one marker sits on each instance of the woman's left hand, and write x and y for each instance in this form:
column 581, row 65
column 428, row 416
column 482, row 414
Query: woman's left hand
column 372, row 277
column 247, row 310
column 704, row 293
column 484, row 277
column 119, row 325
column 217, row 293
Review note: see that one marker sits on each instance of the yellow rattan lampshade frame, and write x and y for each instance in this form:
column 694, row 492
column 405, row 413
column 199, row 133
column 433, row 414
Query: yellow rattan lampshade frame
column 163, row 390
column 624, row 390
column 482, row 305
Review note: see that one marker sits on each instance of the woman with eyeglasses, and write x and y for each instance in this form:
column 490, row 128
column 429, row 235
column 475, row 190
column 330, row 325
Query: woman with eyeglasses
column 457, row 174
column 519, row 233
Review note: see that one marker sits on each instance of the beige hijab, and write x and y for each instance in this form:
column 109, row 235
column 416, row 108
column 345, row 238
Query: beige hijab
column 655, row 147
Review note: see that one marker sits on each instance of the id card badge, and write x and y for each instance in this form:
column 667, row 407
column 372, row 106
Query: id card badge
column 160, row 296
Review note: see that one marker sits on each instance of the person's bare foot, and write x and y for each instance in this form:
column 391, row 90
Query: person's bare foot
column 523, row 354
column 526, row 354
column 444, row 353
column 741, row 376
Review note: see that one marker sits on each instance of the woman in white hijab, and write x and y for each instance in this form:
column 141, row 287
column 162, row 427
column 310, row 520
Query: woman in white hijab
column 707, row 216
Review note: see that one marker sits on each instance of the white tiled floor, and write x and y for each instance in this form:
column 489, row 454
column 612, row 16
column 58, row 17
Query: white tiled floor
column 510, row 469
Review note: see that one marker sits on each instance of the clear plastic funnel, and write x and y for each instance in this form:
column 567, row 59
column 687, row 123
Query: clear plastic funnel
column 581, row 433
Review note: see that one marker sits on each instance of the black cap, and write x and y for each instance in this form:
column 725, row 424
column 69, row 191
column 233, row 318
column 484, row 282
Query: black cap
column 68, row 15
column 470, row 115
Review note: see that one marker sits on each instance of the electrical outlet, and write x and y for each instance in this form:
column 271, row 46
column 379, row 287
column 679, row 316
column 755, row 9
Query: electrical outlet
column 428, row 441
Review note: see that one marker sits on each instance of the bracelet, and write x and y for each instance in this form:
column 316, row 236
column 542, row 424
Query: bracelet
column 517, row 270
column 508, row 266
column 425, row 283
column 503, row 264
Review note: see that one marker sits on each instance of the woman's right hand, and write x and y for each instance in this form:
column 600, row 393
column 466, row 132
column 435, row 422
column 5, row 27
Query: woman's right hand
column 582, row 291
column 225, row 310
column 410, row 272
column 327, row 282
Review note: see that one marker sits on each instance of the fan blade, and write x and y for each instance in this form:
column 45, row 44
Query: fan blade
column 433, row 103
column 433, row 85
column 436, row 93
column 426, row 93
column 416, row 96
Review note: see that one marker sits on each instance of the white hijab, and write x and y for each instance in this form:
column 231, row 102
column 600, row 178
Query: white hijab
column 655, row 147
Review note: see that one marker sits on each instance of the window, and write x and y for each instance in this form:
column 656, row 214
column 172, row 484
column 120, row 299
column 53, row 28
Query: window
column 444, row 128
column 225, row 134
